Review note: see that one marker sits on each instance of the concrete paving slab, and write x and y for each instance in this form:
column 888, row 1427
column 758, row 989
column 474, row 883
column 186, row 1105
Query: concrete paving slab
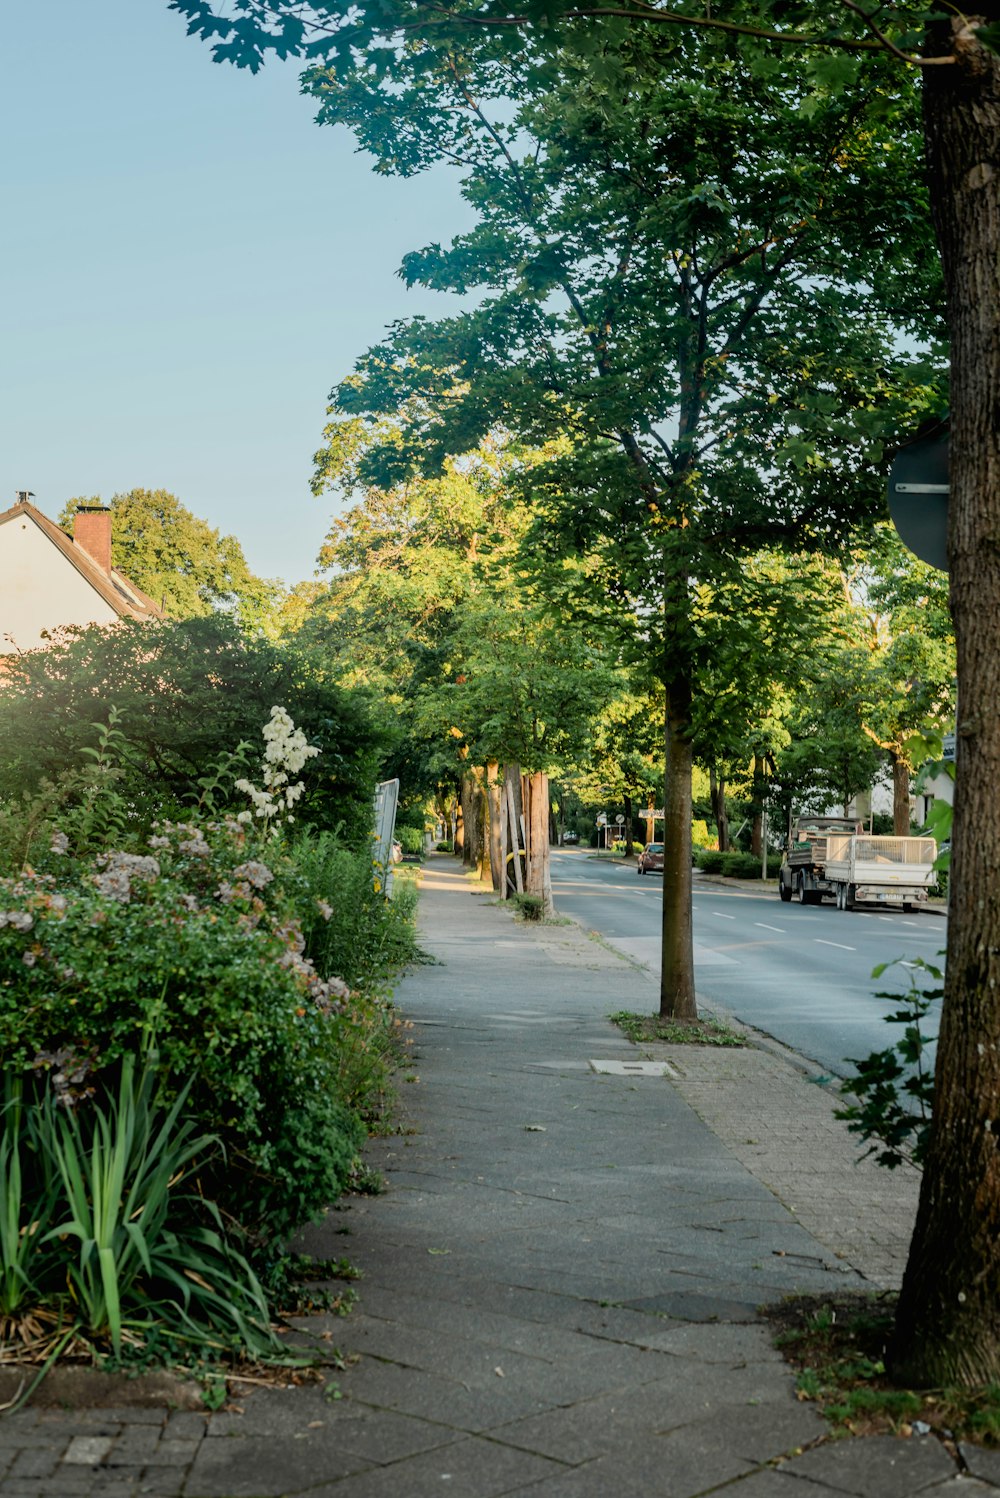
column 876, row 1467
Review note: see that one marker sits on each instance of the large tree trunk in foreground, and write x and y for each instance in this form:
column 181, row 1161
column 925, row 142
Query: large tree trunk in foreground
column 948, row 1323
column 677, row 998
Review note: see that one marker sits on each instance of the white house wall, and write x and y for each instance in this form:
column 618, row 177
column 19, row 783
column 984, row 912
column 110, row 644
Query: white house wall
column 40, row 589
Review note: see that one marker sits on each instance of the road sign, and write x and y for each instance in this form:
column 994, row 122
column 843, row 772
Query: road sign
column 620, row 820
column 918, row 496
column 602, row 820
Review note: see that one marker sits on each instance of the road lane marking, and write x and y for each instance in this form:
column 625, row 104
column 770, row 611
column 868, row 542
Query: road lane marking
column 839, row 944
column 722, row 916
column 764, row 927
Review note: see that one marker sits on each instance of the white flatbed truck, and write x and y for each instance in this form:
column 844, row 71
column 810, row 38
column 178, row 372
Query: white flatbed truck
column 833, row 857
column 880, row 870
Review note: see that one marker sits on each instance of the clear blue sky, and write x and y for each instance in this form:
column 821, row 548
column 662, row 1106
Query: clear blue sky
column 188, row 264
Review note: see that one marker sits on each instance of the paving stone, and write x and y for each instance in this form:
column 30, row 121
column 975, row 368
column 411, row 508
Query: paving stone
column 876, row 1466
column 982, row 1463
column 37, row 1462
column 961, row 1486
column 258, row 1466
column 135, row 1447
column 88, row 1451
column 185, row 1425
column 469, row 1468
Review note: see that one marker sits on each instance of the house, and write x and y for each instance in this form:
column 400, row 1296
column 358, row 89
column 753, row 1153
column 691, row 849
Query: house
column 49, row 579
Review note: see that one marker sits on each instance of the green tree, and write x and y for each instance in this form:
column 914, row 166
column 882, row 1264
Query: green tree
column 903, row 604
column 184, row 565
column 949, row 1320
column 664, row 277
column 185, row 694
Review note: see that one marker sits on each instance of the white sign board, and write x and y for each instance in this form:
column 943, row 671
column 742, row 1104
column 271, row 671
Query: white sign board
column 386, row 800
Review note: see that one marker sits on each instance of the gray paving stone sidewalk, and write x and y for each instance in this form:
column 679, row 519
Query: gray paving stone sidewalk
column 561, row 1282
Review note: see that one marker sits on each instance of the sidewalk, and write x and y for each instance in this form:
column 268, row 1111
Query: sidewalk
column 561, row 1280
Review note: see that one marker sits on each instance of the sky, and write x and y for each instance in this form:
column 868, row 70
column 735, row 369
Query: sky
column 188, row 264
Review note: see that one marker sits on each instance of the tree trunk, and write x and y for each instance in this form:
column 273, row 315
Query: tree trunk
column 757, row 827
column 515, row 822
column 493, row 807
column 677, row 997
column 717, row 793
column 627, row 803
column 537, row 823
column 900, row 795
column 948, row 1320
column 468, row 819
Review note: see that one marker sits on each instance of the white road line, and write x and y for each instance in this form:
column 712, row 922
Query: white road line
column 839, row 944
column 722, row 916
column 764, row 927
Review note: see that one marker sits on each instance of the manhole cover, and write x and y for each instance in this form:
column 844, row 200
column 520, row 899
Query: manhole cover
column 635, row 1068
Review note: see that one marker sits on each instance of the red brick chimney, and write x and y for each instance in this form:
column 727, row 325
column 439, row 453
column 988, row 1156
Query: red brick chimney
column 92, row 533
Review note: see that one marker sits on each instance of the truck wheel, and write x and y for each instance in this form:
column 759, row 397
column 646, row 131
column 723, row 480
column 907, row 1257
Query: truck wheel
column 849, row 894
column 800, row 890
column 841, row 897
column 784, row 890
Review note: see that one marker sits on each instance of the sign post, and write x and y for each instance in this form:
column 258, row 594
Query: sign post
column 386, row 799
column 918, row 496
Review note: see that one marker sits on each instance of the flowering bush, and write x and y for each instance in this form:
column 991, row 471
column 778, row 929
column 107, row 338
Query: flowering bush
column 194, row 947
column 285, row 753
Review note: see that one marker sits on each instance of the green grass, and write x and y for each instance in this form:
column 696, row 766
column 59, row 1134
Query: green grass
column 652, row 1027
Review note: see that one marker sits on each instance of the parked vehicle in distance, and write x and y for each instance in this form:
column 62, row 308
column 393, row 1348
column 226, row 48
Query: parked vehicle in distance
column 803, row 868
column 570, row 837
column 833, row 856
column 651, row 859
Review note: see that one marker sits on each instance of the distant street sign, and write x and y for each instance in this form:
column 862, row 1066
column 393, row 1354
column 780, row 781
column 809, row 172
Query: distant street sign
column 620, row 820
column 918, row 496
column 602, row 820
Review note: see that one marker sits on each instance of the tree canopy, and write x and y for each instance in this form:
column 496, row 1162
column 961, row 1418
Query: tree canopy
column 181, row 562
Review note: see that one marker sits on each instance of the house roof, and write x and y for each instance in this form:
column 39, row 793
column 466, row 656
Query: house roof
column 114, row 587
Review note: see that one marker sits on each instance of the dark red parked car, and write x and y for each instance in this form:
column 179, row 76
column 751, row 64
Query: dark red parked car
column 651, row 859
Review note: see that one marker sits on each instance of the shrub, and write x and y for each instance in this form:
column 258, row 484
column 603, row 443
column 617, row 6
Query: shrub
column 411, row 840
column 735, row 865
column 445, row 848
column 198, row 948
column 109, row 1236
column 528, row 907
column 710, row 862
column 188, row 693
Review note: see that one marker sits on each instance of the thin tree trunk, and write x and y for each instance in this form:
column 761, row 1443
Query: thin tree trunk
column 537, row 820
column 717, row 794
column 627, row 803
column 493, row 808
column 900, row 795
column 948, row 1318
column 677, row 996
column 757, row 827
column 468, row 818
column 515, row 820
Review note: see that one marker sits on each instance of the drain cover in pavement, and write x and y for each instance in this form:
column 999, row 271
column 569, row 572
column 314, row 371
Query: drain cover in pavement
column 636, row 1068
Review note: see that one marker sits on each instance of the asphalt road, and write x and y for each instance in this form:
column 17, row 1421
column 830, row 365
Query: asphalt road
column 799, row 973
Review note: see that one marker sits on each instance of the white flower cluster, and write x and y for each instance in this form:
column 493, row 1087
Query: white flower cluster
column 119, row 870
column 19, row 920
column 285, row 752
